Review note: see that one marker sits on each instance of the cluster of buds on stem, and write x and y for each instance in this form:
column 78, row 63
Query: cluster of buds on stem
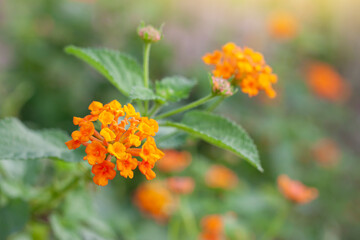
column 149, row 34
column 221, row 86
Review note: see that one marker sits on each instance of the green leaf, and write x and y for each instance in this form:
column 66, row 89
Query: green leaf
column 170, row 138
column 221, row 132
column 13, row 217
column 144, row 94
column 62, row 229
column 120, row 69
column 174, row 88
column 21, row 143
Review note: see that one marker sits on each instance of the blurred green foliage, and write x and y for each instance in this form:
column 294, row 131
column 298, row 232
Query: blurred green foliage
column 45, row 88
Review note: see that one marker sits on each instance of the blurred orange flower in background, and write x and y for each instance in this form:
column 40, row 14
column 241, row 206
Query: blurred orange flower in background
column 295, row 190
column 122, row 132
column 326, row 82
column 155, row 200
column 212, row 227
column 244, row 67
column 326, row 152
column 181, row 185
column 219, row 176
column 174, row 161
column 282, row 25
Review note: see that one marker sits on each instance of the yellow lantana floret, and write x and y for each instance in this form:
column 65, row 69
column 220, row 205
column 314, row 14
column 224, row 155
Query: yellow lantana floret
column 108, row 135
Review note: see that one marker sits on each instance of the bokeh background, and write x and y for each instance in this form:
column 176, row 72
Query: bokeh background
column 309, row 131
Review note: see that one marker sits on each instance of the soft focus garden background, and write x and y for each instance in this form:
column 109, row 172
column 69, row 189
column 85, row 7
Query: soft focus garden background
column 308, row 132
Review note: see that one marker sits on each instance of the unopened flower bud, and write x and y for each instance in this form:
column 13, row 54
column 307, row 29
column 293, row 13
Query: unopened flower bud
column 221, row 86
column 149, row 33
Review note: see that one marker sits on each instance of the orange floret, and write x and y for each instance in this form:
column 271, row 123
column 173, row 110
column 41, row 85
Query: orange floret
column 250, row 86
column 103, row 172
column 130, row 111
column 115, row 107
column 133, row 140
column 96, row 153
column 73, row 144
column 295, row 190
column 148, row 127
column 108, row 135
column 146, row 169
column 149, row 151
column 244, row 68
column 87, row 129
column 174, row 161
column 95, row 107
column 126, row 165
column 79, row 121
column 119, row 138
column 222, row 177
column 212, row 58
column 106, row 117
column 212, row 228
column 155, row 201
column 117, row 149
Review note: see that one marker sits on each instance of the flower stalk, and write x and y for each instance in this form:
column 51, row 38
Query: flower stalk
column 57, row 194
column 277, row 223
column 216, row 103
column 147, row 47
column 186, row 107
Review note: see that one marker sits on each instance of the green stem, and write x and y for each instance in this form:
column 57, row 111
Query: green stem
column 276, row 224
column 147, row 47
column 56, row 195
column 215, row 104
column 174, row 228
column 186, row 107
column 141, row 107
column 154, row 109
column 189, row 219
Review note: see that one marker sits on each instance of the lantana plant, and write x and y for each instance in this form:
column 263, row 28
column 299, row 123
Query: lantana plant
column 127, row 135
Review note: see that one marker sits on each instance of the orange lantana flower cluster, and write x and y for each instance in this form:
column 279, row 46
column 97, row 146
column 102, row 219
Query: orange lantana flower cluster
column 212, row 228
column 122, row 133
column 243, row 67
column 326, row 82
column 295, row 190
column 221, row 177
column 326, row 152
column 174, row 161
column 155, row 200
column 181, row 185
column 283, row 25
